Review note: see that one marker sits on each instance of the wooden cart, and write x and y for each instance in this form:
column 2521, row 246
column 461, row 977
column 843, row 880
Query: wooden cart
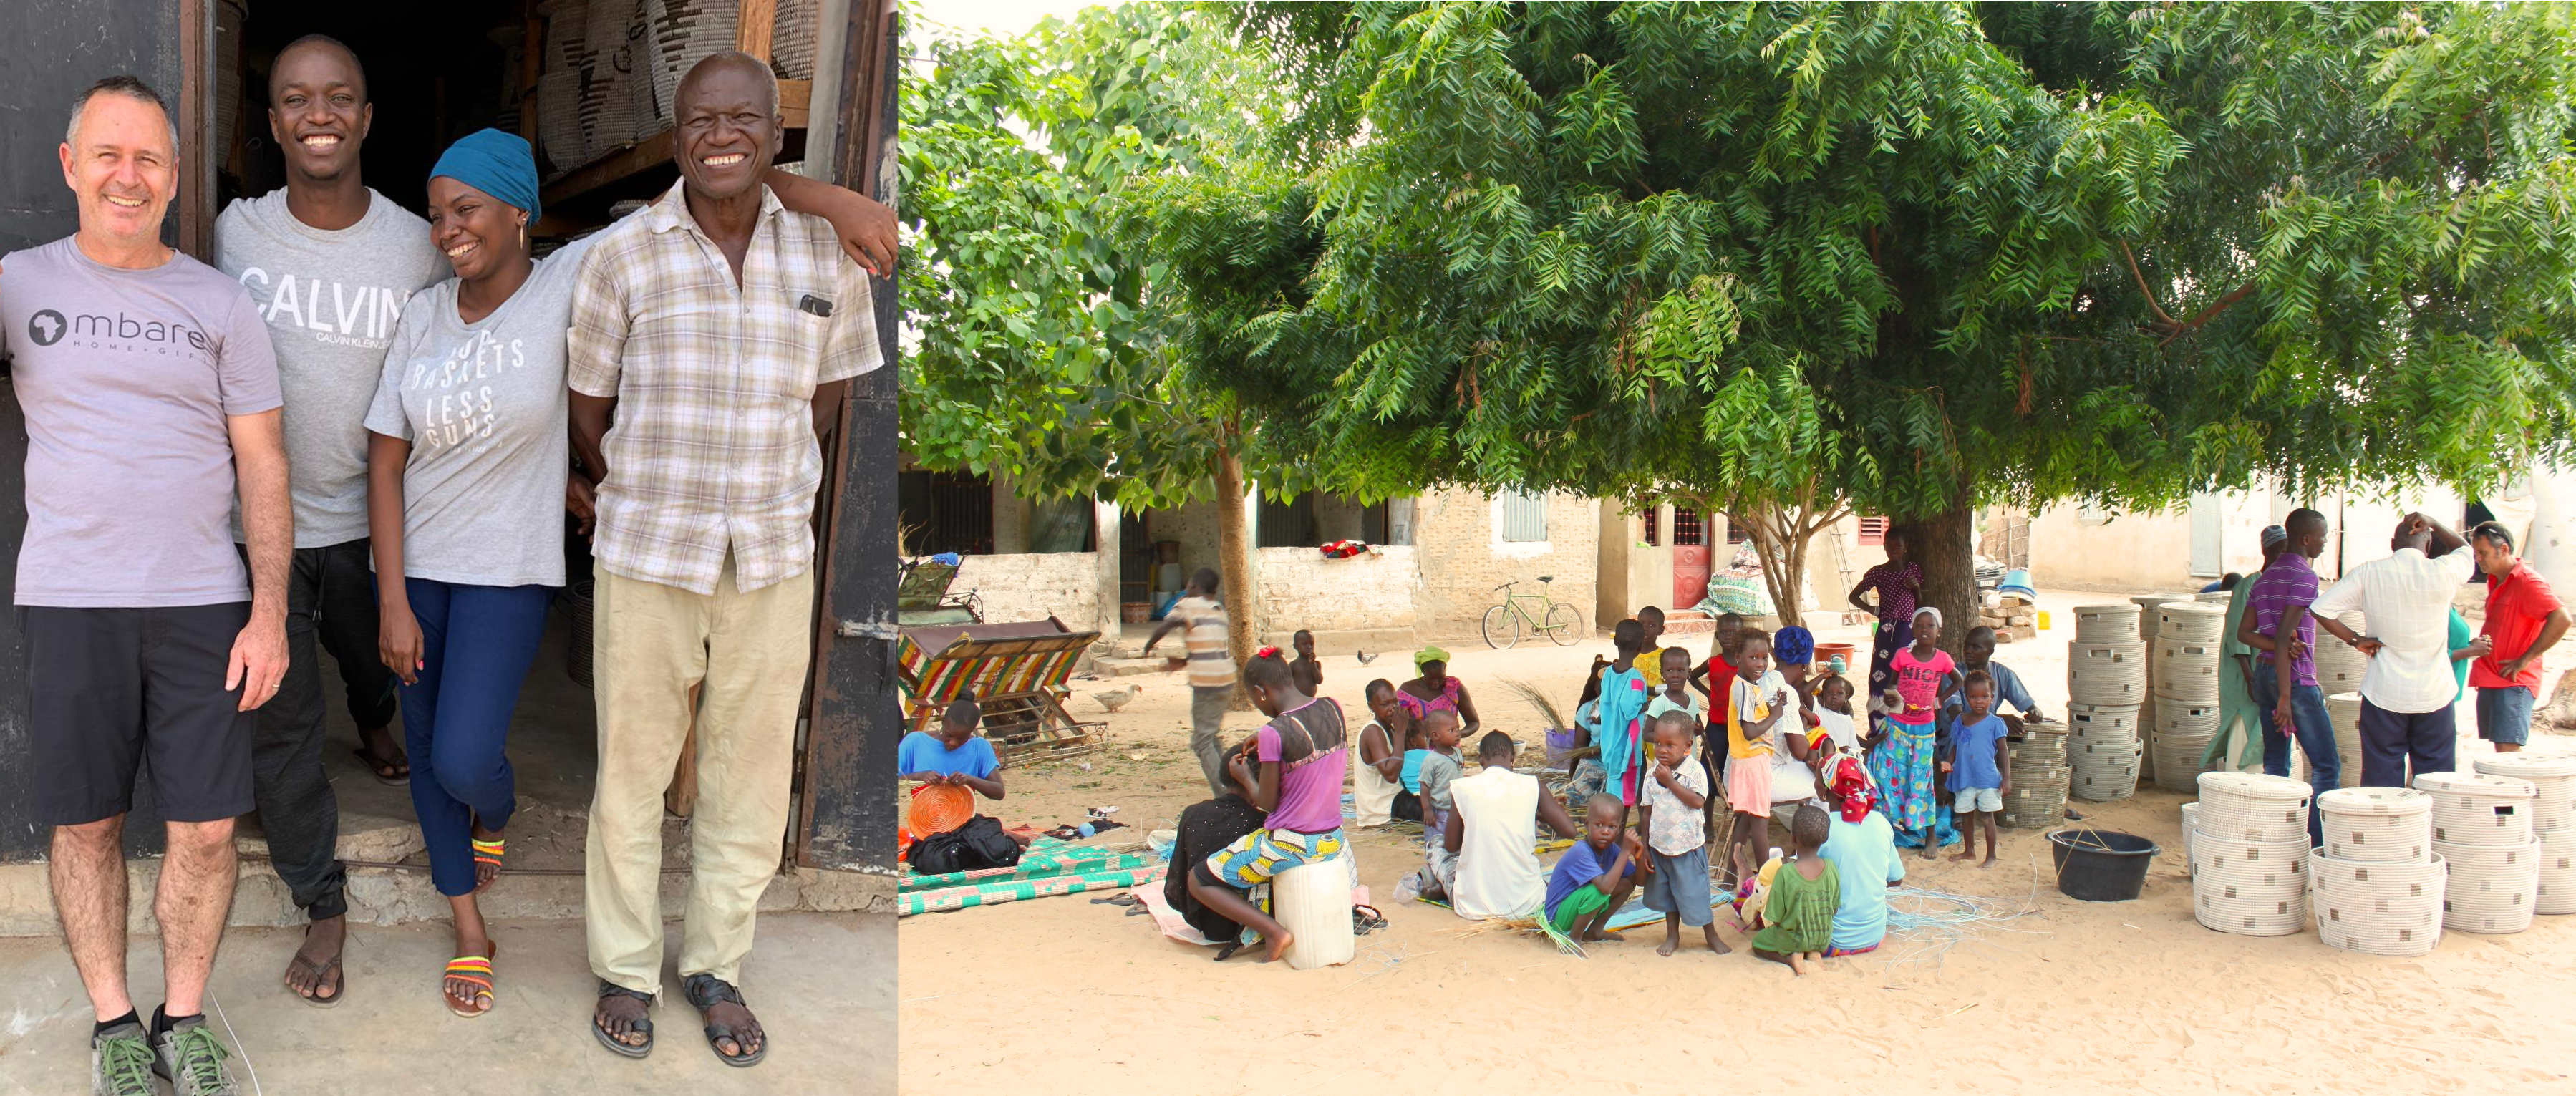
column 1017, row 670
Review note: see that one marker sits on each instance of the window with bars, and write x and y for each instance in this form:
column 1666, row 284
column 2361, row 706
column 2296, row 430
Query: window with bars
column 1873, row 531
column 1654, row 526
column 1520, row 518
column 1688, row 529
column 945, row 512
column 1289, row 524
column 1735, row 535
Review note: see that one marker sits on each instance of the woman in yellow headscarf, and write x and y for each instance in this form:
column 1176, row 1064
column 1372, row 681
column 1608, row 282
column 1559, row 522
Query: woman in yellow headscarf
column 1435, row 690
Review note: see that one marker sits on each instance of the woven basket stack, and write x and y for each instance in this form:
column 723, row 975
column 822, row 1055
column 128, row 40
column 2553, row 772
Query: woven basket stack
column 2190, row 825
column 2553, row 815
column 2183, row 668
column 2378, row 884
column 2106, row 681
column 2249, row 858
column 2482, row 829
column 679, row 34
column 559, row 82
column 2040, row 777
column 2102, row 750
column 792, row 35
column 616, row 90
column 2339, row 665
column 2344, row 711
column 2150, row 625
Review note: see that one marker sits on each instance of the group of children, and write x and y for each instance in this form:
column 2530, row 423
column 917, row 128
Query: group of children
column 1770, row 732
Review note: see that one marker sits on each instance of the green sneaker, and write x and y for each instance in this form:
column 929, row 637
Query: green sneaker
column 120, row 1062
column 193, row 1059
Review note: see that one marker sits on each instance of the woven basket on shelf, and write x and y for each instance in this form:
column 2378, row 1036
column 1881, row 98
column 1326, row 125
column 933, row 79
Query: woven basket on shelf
column 2147, row 605
column 791, row 38
column 2253, row 807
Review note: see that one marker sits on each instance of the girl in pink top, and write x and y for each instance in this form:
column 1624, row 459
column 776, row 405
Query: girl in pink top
column 1902, row 761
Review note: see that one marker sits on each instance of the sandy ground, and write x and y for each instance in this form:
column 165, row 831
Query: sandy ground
column 392, row 1035
column 1070, row 996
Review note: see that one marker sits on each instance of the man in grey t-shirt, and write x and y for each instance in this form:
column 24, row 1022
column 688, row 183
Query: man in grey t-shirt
column 151, row 395
column 329, row 264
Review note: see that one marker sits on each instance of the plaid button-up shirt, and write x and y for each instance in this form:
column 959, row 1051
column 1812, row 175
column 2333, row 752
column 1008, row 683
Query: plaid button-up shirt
column 713, row 447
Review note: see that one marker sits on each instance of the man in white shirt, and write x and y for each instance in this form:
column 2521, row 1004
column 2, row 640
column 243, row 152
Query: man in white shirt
column 1494, row 868
column 2407, row 693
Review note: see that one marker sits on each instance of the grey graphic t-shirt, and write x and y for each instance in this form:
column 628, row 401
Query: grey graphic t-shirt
column 331, row 301
column 126, row 378
column 483, row 406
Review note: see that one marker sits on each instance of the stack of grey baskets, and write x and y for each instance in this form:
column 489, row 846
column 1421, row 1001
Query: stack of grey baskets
column 2040, row 777
column 2184, row 670
column 2482, row 829
column 681, row 33
column 2249, row 856
column 2377, row 884
column 2106, row 683
column 2149, row 627
column 559, row 82
column 2553, row 815
column 2344, row 711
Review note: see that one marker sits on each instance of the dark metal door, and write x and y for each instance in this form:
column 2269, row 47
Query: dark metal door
column 847, row 816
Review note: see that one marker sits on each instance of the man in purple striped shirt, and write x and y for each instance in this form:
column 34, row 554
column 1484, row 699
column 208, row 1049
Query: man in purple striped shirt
column 2286, row 589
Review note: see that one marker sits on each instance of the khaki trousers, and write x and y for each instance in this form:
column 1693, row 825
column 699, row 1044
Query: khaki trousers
column 652, row 645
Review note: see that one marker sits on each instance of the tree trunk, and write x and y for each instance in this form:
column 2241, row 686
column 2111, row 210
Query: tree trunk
column 1946, row 545
column 1783, row 553
column 1234, row 554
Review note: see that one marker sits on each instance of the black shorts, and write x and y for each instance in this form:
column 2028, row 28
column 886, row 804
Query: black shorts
column 113, row 689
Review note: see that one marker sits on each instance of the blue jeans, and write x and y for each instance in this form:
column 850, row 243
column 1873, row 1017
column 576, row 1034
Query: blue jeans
column 456, row 715
column 2315, row 732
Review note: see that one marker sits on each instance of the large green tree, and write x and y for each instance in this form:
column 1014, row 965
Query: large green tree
column 2026, row 253
column 1043, row 342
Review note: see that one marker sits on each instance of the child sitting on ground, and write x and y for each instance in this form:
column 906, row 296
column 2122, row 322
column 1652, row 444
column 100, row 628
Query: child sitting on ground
column 1980, row 774
column 1308, row 669
column 1378, row 780
column 956, row 755
column 1804, row 897
column 1440, row 766
column 1590, row 882
column 1676, row 842
column 1757, row 702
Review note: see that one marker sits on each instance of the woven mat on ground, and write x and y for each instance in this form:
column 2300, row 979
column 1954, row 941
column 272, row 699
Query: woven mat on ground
column 1630, row 916
column 1050, row 867
column 1170, row 922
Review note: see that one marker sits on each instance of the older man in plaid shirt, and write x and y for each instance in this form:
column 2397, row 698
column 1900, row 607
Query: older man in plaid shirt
column 719, row 330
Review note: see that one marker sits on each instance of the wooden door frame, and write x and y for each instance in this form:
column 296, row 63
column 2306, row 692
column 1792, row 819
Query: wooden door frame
column 196, row 124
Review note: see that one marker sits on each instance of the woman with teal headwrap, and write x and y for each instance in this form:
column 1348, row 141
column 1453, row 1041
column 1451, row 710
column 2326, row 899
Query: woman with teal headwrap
column 467, row 487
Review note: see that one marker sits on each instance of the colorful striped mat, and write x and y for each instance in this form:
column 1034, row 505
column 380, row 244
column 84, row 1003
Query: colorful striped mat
column 1049, row 867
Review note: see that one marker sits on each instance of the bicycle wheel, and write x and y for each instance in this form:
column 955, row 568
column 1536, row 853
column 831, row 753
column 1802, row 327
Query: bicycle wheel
column 1564, row 625
column 1502, row 627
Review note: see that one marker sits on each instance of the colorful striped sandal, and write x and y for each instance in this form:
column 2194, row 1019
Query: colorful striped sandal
column 489, row 852
column 476, row 971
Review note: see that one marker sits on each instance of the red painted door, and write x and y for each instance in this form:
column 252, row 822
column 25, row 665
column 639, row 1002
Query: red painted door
column 1690, row 559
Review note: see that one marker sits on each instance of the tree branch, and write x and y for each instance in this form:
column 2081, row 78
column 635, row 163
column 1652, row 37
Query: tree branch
column 2205, row 315
column 2143, row 291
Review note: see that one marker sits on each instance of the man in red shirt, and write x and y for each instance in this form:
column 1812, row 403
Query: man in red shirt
column 2524, row 620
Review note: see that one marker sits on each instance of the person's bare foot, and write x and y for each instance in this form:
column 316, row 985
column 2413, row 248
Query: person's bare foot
column 1965, row 855
column 617, row 1018
column 1715, row 944
column 1990, row 860
column 1798, row 963
column 1276, row 945
column 1672, row 943
column 465, row 997
column 1931, row 852
column 314, row 973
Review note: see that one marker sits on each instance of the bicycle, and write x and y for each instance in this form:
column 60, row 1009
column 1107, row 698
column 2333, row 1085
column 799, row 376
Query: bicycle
column 1558, row 620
